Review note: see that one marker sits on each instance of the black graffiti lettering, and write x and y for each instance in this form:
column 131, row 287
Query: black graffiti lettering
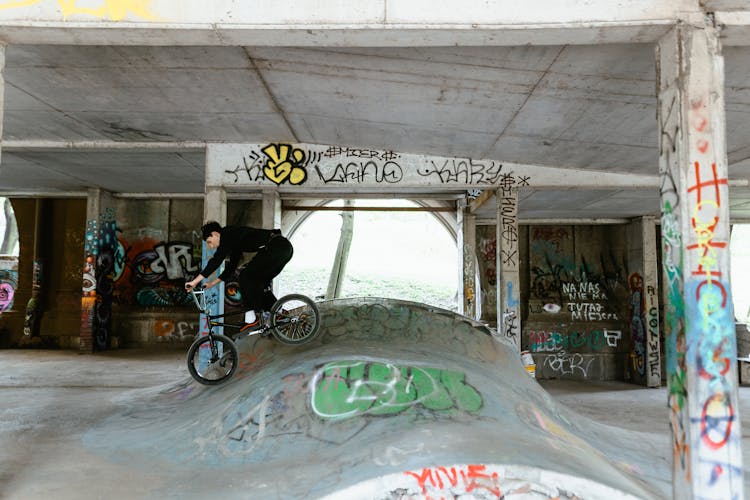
column 510, row 257
column 356, row 173
column 463, row 171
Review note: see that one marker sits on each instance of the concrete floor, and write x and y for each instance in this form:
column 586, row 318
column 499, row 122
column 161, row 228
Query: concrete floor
column 50, row 398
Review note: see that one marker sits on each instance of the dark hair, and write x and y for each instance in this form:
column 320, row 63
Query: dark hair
column 210, row 227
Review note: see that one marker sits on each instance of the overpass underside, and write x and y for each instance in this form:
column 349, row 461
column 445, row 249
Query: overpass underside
column 595, row 159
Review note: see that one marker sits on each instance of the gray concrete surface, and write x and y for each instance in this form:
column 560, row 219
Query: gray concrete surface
column 114, row 425
column 50, row 398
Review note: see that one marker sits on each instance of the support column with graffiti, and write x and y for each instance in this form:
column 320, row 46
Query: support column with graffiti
column 98, row 271
column 214, row 208
column 508, row 288
column 699, row 320
column 466, row 235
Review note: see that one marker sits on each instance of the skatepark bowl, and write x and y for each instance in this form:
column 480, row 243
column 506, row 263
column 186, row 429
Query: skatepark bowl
column 392, row 400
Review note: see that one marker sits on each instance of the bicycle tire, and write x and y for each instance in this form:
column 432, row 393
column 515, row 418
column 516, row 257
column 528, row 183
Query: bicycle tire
column 221, row 363
column 295, row 319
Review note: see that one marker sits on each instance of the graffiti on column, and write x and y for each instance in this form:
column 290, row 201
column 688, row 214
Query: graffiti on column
column 31, row 320
column 508, row 227
column 672, row 263
column 710, row 318
column 637, row 325
column 114, row 10
column 104, row 276
column 654, row 354
column 88, row 296
column 487, row 257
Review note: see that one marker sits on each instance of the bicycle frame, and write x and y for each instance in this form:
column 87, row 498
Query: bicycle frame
column 199, row 297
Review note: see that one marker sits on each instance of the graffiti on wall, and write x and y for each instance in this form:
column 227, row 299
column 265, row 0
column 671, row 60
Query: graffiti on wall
column 8, row 285
column 114, row 10
column 167, row 330
column 586, row 292
column 153, row 273
column 337, row 165
column 554, row 341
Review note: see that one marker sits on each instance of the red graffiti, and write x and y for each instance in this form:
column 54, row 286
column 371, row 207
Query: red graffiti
column 718, row 284
column 716, row 421
column 472, row 477
column 716, row 182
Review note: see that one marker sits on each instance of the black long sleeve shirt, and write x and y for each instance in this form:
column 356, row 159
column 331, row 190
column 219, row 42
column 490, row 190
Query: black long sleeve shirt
column 234, row 241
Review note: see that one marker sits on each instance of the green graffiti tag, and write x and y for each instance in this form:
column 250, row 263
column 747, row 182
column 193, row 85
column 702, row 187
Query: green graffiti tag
column 345, row 389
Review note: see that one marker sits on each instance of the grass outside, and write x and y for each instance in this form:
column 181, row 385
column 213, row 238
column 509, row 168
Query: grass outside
column 314, row 282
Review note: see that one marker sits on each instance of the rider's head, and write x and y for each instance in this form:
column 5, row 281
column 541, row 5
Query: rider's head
column 211, row 234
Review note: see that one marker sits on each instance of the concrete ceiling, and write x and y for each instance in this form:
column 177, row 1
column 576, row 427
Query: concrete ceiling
column 578, row 107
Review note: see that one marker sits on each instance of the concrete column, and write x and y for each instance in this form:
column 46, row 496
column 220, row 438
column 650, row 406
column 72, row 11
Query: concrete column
column 271, row 210
column 214, row 208
column 466, row 242
column 508, row 291
column 699, row 321
column 2, row 96
column 651, row 302
column 215, row 205
column 98, row 268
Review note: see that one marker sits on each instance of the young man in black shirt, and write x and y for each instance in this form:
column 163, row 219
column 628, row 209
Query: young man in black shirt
column 273, row 253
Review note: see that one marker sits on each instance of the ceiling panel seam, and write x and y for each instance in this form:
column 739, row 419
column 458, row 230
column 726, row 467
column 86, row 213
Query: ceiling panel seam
column 526, row 99
column 271, row 95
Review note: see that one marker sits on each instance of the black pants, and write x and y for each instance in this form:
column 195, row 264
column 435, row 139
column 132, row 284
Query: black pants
column 256, row 277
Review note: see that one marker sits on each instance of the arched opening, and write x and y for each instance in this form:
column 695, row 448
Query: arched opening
column 9, row 250
column 408, row 255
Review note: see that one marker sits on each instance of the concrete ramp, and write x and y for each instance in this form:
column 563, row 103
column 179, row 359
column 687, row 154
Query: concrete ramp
column 393, row 400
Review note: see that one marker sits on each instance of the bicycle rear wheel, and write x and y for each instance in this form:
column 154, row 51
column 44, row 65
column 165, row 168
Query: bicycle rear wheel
column 295, row 319
column 212, row 359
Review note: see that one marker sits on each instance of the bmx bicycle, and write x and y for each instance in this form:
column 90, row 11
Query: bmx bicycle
column 294, row 319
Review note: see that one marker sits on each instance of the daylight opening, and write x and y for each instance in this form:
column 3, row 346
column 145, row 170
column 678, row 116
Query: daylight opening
column 739, row 250
column 401, row 255
column 9, row 245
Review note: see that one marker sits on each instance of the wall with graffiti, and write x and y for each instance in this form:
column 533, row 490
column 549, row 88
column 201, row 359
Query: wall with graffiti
column 158, row 248
column 8, row 282
column 578, row 301
column 575, row 282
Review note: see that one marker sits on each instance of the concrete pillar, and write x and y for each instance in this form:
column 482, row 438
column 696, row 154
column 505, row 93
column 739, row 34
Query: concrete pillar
column 699, row 321
column 214, row 208
column 271, row 209
column 466, row 236
column 215, row 205
column 98, row 268
column 2, row 96
column 508, row 281
column 651, row 302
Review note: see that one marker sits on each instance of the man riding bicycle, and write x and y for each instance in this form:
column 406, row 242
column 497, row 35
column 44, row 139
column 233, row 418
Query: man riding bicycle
column 273, row 253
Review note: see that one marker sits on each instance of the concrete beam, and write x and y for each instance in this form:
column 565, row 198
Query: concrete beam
column 735, row 27
column 299, row 168
column 335, row 23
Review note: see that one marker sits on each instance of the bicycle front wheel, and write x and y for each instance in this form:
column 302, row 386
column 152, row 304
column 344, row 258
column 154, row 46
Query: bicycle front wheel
column 295, row 319
column 212, row 359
